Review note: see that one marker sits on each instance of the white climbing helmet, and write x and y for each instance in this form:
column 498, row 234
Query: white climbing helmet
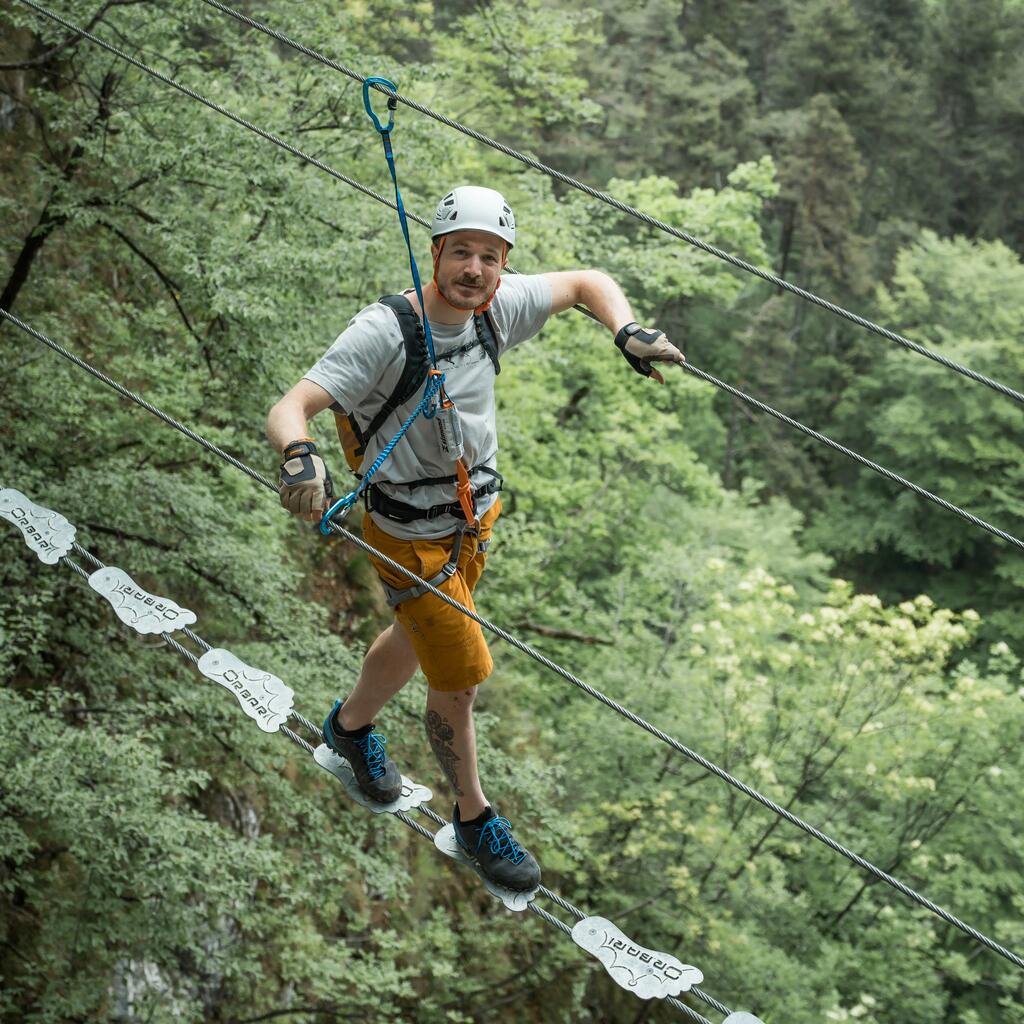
column 474, row 208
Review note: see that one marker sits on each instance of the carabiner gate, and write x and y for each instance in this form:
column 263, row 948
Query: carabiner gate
column 392, row 102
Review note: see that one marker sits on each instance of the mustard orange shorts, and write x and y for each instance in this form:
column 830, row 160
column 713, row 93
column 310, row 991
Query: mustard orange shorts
column 450, row 646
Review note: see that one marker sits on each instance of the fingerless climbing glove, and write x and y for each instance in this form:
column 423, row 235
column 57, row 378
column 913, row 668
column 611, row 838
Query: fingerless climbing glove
column 305, row 485
column 632, row 341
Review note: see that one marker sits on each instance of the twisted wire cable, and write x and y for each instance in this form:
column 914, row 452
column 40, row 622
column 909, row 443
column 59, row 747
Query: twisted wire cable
column 632, row 211
column 526, row 649
column 424, row 808
column 548, row 918
column 948, row 506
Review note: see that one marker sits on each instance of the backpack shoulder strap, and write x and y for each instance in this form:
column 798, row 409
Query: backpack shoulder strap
column 414, row 371
column 488, row 335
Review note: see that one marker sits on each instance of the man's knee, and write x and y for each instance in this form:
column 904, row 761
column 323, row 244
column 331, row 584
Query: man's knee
column 453, row 700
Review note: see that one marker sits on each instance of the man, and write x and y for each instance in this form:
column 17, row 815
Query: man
column 411, row 515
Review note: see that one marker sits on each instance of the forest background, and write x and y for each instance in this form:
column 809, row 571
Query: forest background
column 844, row 647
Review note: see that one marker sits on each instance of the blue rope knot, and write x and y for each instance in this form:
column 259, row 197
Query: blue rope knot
column 372, row 746
column 498, row 833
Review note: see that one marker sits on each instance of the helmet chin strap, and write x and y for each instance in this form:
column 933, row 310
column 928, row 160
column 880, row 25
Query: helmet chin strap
column 484, row 306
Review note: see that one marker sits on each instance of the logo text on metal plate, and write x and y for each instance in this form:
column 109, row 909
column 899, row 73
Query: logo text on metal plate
column 261, row 695
column 412, row 795
column 137, row 608
column 644, row 972
column 46, row 532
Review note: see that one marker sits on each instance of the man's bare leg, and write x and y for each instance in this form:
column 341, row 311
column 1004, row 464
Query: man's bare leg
column 389, row 664
column 449, row 722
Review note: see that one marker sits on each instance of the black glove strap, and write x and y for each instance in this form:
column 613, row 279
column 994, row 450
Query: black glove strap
column 303, row 450
column 641, row 334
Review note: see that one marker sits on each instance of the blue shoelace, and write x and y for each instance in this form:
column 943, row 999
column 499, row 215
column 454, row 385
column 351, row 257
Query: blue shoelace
column 372, row 746
column 498, row 833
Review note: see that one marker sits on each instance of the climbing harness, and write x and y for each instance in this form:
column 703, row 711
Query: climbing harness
column 396, row 596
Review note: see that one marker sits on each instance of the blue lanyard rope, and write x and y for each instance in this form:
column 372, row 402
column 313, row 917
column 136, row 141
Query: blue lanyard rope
column 435, row 382
column 385, row 134
column 344, row 504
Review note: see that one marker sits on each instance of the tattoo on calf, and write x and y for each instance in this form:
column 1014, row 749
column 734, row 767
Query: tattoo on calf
column 440, row 734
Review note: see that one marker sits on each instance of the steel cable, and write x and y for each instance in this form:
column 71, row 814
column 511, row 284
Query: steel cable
column 703, row 375
column 404, row 817
column 538, row 911
column 632, row 211
column 580, row 916
column 426, row 809
column 587, row 688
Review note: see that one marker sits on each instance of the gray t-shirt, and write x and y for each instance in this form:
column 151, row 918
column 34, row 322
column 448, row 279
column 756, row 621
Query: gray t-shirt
column 362, row 367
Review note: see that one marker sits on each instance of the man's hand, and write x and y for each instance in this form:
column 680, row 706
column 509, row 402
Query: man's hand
column 641, row 347
column 305, row 486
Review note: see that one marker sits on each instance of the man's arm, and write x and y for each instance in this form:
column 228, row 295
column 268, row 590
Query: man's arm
column 593, row 289
column 305, row 486
column 289, row 419
column 604, row 298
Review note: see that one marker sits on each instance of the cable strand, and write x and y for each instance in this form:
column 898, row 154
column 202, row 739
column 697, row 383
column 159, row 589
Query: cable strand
column 589, row 690
column 632, row 211
column 948, row 506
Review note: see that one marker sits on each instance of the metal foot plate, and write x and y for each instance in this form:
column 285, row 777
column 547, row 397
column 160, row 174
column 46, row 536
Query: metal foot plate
column 46, row 532
column 445, row 841
column 413, row 794
column 262, row 696
column 144, row 612
column 644, row 972
column 740, row 1017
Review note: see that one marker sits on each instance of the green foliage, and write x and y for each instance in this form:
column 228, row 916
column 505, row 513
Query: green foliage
column 951, row 438
column 162, row 859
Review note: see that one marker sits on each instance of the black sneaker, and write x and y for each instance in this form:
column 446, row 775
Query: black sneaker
column 377, row 775
column 489, row 841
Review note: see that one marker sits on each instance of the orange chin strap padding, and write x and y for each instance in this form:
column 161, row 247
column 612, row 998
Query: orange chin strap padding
column 464, row 490
column 483, row 307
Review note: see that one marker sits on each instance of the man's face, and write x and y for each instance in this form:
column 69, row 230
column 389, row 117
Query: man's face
column 469, row 268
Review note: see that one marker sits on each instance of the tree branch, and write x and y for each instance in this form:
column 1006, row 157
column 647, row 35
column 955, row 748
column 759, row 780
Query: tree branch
column 48, row 221
column 562, row 634
column 71, row 40
column 169, row 285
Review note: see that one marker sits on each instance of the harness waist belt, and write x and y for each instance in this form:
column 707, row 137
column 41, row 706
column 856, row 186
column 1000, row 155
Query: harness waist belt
column 400, row 512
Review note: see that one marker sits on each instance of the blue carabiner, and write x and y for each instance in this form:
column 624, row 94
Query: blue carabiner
column 392, row 102
column 342, row 505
